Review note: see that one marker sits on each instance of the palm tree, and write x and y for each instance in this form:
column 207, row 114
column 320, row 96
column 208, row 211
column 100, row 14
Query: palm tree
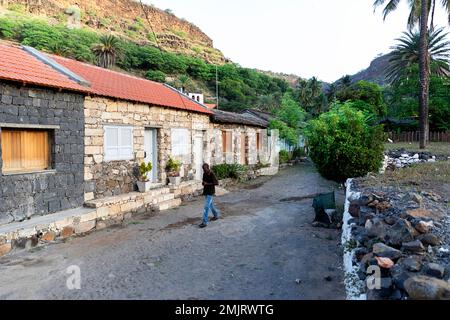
column 406, row 54
column 106, row 51
column 419, row 14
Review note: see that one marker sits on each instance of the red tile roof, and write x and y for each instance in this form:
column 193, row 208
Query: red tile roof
column 122, row 86
column 18, row 65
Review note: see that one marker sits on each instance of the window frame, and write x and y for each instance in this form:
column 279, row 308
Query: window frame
column 227, row 143
column 185, row 134
column 120, row 147
column 259, row 141
column 49, row 136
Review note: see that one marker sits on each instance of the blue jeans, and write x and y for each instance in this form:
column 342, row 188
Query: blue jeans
column 209, row 205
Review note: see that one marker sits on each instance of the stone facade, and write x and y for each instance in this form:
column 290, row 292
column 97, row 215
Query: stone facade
column 27, row 194
column 253, row 156
column 109, row 178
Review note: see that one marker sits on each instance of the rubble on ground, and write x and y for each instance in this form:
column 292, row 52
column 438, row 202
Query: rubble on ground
column 401, row 158
column 406, row 234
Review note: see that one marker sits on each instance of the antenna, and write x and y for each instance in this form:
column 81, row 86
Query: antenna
column 150, row 24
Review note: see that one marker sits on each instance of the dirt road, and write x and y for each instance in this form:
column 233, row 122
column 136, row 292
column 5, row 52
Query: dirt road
column 264, row 247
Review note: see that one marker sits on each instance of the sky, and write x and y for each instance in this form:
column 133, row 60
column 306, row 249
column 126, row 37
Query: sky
column 322, row 38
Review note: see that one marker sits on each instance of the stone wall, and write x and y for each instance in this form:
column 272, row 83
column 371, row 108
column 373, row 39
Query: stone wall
column 253, row 155
column 108, row 178
column 26, row 195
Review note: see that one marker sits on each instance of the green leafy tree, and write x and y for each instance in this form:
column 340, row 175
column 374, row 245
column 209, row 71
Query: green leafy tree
column 402, row 98
column 419, row 15
column 290, row 112
column 156, row 75
column 366, row 96
column 310, row 95
column 343, row 144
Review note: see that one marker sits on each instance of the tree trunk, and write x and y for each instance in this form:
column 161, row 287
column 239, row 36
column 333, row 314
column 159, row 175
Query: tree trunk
column 424, row 66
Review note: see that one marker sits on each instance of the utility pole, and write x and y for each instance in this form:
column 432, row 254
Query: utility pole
column 217, row 87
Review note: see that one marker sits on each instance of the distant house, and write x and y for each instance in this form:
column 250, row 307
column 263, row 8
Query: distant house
column 266, row 116
column 240, row 138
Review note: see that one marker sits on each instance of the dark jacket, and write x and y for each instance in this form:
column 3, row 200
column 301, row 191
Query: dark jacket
column 210, row 190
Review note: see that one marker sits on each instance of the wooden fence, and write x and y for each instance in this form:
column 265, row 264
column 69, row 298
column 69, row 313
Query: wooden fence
column 413, row 136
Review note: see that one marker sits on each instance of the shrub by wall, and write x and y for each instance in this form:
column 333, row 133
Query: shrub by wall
column 234, row 171
column 284, row 156
column 343, row 144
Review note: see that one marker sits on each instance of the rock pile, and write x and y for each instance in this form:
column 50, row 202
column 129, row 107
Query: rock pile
column 401, row 158
column 393, row 231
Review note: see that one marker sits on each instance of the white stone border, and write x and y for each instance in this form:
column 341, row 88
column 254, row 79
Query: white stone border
column 354, row 287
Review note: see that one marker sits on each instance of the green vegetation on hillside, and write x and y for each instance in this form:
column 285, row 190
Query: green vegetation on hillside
column 239, row 87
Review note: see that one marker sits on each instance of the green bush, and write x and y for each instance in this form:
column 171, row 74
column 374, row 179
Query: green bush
column 233, row 171
column 342, row 144
column 238, row 171
column 157, row 76
column 221, row 171
column 284, row 156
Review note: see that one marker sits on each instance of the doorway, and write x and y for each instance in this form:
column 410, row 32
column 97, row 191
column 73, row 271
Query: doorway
column 151, row 152
column 198, row 155
column 243, row 148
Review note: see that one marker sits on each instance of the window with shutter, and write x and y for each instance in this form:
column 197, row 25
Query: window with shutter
column 258, row 141
column 25, row 150
column 227, row 137
column 118, row 143
column 180, row 142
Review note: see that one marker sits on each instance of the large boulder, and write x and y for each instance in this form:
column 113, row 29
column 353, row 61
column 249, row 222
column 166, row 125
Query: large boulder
column 384, row 251
column 427, row 288
column 435, row 270
column 402, row 231
column 376, row 228
column 430, row 239
column 413, row 246
column 412, row 263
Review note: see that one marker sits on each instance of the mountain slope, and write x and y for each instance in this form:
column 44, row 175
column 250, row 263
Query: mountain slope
column 375, row 72
column 127, row 19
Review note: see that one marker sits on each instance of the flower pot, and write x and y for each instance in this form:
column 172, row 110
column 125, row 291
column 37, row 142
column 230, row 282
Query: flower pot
column 144, row 186
column 175, row 180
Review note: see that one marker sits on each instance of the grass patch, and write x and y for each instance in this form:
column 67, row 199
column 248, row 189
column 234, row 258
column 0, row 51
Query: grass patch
column 438, row 148
column 422, row 175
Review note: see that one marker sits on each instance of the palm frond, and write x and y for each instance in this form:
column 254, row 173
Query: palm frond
column 406, row 53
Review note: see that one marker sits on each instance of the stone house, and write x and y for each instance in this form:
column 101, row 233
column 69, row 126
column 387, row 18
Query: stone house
column 41, row 137
column 130, row 120
column 239, row 139
column 74, row 134
column 154, row 122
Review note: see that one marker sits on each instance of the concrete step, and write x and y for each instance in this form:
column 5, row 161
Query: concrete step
column 155, row 199
column 158, row 191
column 165, row 205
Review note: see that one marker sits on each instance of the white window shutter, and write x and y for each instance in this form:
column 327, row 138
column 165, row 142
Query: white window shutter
column 180, row 141
column 118, row 143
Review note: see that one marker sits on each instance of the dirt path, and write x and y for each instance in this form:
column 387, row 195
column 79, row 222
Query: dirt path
column 263, row 248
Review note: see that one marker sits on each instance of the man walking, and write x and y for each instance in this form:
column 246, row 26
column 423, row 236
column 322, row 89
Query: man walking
column 209, row 190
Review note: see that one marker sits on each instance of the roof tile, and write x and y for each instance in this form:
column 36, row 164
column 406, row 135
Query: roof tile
column 118, row 85
column 18, row 65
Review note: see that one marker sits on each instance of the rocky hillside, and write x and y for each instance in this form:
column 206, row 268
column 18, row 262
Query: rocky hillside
column 375, row 72
column 127, row 19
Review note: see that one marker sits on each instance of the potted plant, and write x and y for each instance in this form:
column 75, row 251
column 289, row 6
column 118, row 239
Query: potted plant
column 173, row 171
column 144, row 183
